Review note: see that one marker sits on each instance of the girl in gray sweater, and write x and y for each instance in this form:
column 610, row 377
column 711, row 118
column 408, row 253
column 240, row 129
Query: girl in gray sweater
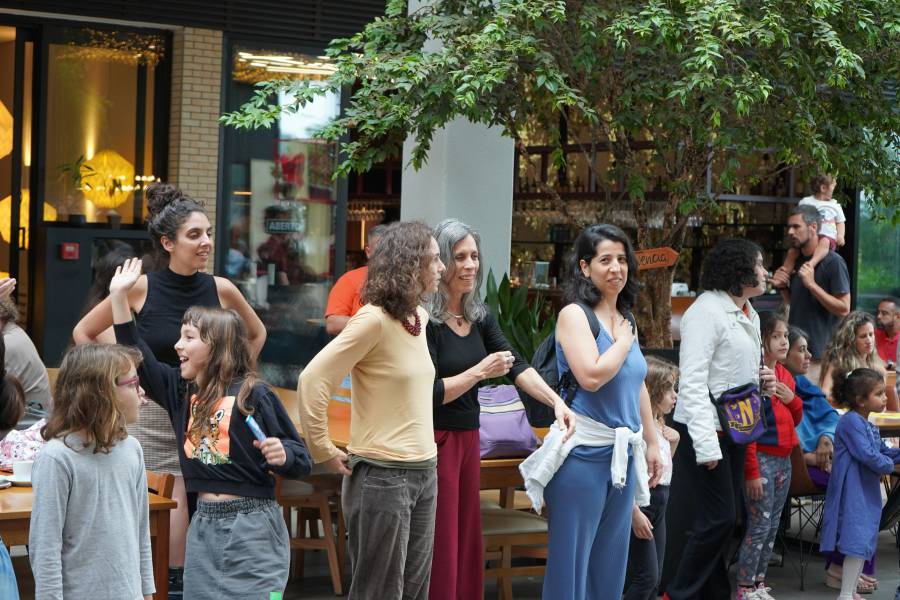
column 90, row 528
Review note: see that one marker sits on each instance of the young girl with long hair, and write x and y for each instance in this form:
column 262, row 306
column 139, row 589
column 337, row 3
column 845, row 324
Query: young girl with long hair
column 648, row 524
column 237, row 542
column 767, row 465
column 853, row 499
column 90, row 522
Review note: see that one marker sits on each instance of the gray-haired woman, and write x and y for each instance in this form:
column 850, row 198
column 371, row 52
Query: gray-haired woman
column 467, row 347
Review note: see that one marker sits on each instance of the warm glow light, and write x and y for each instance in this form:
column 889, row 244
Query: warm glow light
column 6, row 218
column 107, row 179
column 6, row 131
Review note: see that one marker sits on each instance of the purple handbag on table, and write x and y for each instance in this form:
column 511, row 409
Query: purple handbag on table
column 505, row 431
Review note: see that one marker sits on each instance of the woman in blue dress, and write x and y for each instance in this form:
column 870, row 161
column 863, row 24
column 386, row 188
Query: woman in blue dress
column 853, row 498
column 591, row 495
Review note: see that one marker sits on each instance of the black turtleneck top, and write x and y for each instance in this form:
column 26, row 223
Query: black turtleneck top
column 169, row 295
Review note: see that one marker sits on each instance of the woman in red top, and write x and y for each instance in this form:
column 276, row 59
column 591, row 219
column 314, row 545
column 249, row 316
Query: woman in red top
column 767, row 466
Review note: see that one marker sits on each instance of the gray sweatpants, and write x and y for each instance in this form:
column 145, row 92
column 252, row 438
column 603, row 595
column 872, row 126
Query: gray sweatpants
column 236, row 549
column 390, row 521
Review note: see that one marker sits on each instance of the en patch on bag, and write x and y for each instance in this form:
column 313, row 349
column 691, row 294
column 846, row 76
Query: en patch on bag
column 505, row 431
column 741, row 413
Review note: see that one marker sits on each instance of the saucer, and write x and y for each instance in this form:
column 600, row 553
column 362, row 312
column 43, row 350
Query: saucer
column 21, row 481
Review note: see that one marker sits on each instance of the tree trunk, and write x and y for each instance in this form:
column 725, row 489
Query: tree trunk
column 654, row 308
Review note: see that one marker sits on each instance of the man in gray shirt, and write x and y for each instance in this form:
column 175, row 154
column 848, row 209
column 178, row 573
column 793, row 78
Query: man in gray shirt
column 90, row 523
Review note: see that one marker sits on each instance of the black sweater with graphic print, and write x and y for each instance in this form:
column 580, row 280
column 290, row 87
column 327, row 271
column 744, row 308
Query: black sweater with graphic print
column 225, row 461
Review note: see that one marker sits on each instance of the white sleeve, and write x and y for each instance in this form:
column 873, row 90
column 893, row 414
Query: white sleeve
column 839, row 214
column 699, row 335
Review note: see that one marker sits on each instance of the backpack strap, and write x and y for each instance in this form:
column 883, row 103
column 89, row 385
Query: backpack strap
column 593, row 321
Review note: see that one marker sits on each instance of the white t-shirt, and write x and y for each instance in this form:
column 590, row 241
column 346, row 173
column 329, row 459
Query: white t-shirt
column 831, row 213
column 665, row 456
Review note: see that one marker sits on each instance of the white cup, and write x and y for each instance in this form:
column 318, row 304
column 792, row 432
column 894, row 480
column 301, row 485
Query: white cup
column 22, row 469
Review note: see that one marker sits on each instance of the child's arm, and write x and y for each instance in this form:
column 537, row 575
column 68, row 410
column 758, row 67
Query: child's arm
column 52, row 484
column 751, row 473
column 640, row 524
column 148, row 585
column 275, row 423
column 862, row 449
column 673, row 437
column 841, row 232
column 156, row 378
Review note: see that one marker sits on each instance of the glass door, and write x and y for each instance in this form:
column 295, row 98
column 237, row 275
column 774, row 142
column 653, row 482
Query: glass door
column 16, row 85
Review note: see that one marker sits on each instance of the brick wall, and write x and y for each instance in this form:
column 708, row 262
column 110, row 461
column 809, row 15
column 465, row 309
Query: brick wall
column 194, row 128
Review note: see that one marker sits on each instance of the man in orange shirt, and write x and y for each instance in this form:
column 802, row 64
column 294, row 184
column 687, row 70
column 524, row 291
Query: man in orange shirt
column 343, row 300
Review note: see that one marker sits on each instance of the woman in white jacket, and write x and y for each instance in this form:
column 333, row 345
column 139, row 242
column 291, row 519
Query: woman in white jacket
column 720, row 349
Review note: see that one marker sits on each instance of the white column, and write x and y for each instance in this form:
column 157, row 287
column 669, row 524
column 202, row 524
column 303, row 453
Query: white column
column 468, row 176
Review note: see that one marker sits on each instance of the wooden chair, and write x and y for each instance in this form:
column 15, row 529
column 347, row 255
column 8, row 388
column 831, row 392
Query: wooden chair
column 317, row 500
column 806, row 502
column 161, row 484
column 509, row 533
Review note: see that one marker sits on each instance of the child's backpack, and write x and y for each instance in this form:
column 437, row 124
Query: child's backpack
column 565, row 384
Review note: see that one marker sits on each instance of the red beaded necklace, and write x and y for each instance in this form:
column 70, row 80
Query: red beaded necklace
column 413, row 330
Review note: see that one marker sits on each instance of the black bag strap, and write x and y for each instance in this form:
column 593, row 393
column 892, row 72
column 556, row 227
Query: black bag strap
column 593, row 321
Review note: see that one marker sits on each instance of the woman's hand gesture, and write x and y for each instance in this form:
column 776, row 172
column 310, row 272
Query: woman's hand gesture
column 7, row 285
column 126, row 276
column 496, row 364
column 622, row 331
column 783, row 392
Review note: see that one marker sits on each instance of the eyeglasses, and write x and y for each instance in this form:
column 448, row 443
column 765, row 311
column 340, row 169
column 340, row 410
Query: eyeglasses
column 134, row 381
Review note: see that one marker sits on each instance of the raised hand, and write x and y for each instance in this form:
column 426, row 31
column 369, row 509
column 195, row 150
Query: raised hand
column 7, row 285
column 126, row 276
column 496, row 364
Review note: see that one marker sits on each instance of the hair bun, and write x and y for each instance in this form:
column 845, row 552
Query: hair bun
column 160, row 195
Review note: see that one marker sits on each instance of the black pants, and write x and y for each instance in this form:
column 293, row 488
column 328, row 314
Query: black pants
column 702, row 572
column 645, row 557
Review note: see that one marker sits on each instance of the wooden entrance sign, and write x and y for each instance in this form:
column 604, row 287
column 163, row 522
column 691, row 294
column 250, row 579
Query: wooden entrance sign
column 656, row 258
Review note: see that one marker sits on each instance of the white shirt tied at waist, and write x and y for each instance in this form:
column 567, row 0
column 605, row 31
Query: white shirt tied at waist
column 538, row 469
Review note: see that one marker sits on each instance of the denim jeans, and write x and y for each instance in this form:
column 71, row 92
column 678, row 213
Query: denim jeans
column 9, row 589
column 390, row 521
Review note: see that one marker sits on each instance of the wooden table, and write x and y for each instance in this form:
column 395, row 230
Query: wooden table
column 15, row 519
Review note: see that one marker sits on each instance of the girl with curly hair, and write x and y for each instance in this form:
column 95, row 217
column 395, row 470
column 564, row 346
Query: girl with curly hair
column 852, row 346
column 390, row 479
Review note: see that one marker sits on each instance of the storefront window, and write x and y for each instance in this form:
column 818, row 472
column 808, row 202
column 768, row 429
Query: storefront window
column 279, row 200
column 100, row 87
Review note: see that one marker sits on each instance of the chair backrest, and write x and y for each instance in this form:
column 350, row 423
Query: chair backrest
column 52, row 374
column 161, row 484
column 801, row 483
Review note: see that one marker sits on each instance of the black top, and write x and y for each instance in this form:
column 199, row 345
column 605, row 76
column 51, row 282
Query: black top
column 806, row 312
column 169, row 295
column 225, row 462
column 452, row 354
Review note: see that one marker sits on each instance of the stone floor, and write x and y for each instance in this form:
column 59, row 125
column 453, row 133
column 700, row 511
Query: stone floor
column 785, row 581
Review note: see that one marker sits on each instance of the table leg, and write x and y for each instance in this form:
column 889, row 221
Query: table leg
column 161, row 556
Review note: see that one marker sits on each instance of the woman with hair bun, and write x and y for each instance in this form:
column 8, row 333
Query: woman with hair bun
column 182, row 235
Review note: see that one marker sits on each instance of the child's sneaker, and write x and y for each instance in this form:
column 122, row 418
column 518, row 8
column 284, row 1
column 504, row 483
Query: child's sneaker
column 762, row 592
column 746, row 593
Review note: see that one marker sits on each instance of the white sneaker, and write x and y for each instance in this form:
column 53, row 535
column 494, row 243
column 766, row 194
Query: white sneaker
column 762, row 593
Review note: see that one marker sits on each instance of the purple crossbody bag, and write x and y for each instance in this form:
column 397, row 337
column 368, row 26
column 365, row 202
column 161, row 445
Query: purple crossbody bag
column 741, row 413
column 505, row 431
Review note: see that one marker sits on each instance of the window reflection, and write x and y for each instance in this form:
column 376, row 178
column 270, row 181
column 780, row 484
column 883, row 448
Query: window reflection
column 280, row 200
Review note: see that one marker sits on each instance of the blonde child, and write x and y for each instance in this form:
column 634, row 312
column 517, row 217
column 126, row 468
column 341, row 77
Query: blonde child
column 648, row 525
column 237, row 543
column 767, row 466
column 853, row 498
column 90, row 527
column 832, row 231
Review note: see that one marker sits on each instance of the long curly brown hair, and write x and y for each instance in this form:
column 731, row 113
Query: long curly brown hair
column 841, row 354
column 397, row 268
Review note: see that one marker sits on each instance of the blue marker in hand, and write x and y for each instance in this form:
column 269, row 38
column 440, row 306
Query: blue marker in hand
column 254, row 427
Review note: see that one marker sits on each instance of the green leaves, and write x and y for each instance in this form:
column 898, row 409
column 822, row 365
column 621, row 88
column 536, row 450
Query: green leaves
column 525, row 326
column 703, row 81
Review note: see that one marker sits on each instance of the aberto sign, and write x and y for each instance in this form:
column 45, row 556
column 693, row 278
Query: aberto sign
column 656, row 258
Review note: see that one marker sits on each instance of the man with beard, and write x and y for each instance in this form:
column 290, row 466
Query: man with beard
column 819, row 296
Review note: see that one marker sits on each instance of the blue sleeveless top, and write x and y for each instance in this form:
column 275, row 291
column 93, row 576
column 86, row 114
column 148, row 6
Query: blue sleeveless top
column 618, row 402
